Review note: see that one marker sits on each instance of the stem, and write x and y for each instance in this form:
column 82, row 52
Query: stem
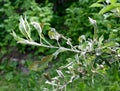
column 58, row 43
column 95, row 32
column 49, row 46
column 40, row 40
column 45, row 40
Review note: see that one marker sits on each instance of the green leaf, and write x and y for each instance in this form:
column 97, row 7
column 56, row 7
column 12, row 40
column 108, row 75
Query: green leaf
column 113, row 1
column 9, row 76
column 101, row 0
column 96, row 5
column 109, row 7
column 101, row 40
column 109, row 44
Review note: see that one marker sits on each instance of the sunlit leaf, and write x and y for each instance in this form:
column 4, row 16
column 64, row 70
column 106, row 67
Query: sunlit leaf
column 96, row 5
column 113, row 1
column 109, row 7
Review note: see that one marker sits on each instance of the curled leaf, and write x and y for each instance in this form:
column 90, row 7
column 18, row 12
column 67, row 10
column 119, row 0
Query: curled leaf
column 37, row 27
column 53, row 34
column 82, row 38
column 27, row 26
column 24, row 27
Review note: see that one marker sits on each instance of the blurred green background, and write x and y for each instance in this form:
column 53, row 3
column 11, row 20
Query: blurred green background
column 68, row 17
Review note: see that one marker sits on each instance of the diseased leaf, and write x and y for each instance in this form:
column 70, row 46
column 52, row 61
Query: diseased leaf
column 24, row 28
column 53, row 34
column 92, row 21
column 60, row 74
column 58, row 51
column 37, row 27
column 27, row 26
column 82, row 38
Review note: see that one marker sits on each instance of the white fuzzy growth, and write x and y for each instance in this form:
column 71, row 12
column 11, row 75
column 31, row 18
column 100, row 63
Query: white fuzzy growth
column 37, row 26
column 92, row 21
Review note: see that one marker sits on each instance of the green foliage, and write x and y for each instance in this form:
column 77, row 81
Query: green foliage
column 10, row 13
column 76, row 18
column 77, row 23
column 108, row 7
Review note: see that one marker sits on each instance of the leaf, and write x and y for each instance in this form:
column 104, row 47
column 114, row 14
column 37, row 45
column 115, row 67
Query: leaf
column 47, row 76
column 81, row 38
column 96, row 5
column 92, row 21
column 109, row 44
column 9, row 76
column 24, row 28
column 53, row 34
column 113, row 1
column 27, row 26
column 16, row 37
column 37, row 27
column 60, row 74
column 40, row 65
column 109, row 7
column 101, row 40
column 101, row 0
column 58, row 51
